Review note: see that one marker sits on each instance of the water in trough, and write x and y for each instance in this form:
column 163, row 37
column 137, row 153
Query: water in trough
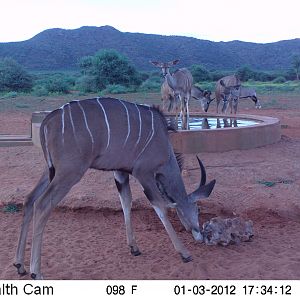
column 196, row 123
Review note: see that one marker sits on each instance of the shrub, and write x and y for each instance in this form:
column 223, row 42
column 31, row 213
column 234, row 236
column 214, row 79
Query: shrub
column 151, row 84
column 11, row 95
column 279, row 79
column 117, row 89
column 245, row 73
column 39, row 91
column 87, row 84
column 57, row 84
column 109, row 67
column 200, row 73
column 13, row 77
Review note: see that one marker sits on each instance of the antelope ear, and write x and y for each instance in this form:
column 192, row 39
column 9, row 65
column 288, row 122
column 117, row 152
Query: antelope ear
column 222, row 83
column 156, row 63
column 174, row 62
column 203, row 192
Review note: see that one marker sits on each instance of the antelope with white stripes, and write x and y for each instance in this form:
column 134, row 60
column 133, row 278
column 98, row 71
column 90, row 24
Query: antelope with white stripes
column 168, row 98
column 204, row 96
column 112, row 135
column 228, row 90
column 180, row 82
column 248, row 92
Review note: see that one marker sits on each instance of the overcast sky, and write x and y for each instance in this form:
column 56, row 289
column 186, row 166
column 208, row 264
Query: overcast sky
column 259, row 21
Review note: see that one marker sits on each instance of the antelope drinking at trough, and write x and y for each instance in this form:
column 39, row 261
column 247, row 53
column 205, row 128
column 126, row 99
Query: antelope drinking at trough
column 228, row 90
column 180, row 82
column 247, row 92
column 112, row 135
column 203, row 96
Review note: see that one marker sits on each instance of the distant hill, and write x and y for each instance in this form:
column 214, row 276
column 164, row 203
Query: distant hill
column 60, row 49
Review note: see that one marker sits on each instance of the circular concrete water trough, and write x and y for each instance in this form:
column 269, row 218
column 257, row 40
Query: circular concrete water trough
column 230, row 133
column 209, row 132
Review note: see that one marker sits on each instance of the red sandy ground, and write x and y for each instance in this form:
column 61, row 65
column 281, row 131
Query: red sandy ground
column 85, row 236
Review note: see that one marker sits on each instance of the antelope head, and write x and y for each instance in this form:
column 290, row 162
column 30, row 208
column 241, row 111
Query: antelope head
column 165, row 66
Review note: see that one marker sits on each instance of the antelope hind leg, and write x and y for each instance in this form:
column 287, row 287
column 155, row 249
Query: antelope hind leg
column 122, row 183
column 60, row 185
column 27, row 217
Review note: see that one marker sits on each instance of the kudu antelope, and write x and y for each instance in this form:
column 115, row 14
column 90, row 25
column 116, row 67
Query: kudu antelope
column 203, row 96
column 228, row 90
column 168, row 98
column 247, row 92
column 110, row 134
column 180, row 82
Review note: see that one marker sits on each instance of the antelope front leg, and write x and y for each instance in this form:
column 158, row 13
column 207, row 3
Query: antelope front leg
column 122, row 182
column 154, row 196
column 178, row 245
column 187, row 112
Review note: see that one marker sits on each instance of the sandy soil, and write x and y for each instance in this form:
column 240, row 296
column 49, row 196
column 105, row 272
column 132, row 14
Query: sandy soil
column 85, row 235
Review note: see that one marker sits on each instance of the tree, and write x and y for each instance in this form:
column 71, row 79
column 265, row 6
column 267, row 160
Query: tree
column 200, row 73
column 296, row 65
column 245, row 73
column 109, row 67
column 13, row 77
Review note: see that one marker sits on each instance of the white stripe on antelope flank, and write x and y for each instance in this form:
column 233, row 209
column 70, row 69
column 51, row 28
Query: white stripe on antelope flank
column 49, row 162
column 63, row 122
column 71, row 119
column 85, row 121
column 151, row 133
column 128, row 122
column 106, row 122
column 140, row 126
column 73, row 128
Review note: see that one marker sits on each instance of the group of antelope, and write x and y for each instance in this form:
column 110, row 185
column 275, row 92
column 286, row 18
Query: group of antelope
column 177, row 89
column 126, row 138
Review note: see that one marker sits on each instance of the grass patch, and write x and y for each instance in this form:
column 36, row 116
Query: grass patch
column 267, row 183
column 12, row 208
column 272, row 183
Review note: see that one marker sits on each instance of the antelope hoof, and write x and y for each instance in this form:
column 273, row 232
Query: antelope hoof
column 33, row 276
column 135, row 252
column 186, row 259
column 19, row 267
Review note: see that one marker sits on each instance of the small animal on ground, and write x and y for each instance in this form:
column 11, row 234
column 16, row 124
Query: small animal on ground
column 218, row 231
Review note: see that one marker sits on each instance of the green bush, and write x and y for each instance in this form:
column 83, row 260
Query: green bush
column 11, row 95
column 87, row 84
column 13, row 77
column 39, row 91
column 152, row 84
column 200, row 73
column 216, row 75
column 245, row 73
column 210, row 86
column 117, row 89
column 109, row 67
column 53, row 83
column 57, row 84
column 279, row 79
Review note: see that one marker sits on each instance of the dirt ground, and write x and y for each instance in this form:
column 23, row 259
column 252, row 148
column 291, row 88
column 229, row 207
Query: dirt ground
column 85, row 236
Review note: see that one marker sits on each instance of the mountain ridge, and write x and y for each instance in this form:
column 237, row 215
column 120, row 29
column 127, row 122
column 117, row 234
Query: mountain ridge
column 61, row 49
